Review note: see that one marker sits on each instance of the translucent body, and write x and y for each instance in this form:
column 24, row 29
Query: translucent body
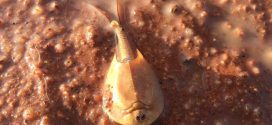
column 132, row 94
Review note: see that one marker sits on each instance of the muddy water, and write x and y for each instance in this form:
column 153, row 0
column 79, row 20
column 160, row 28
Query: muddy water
column 213, row 59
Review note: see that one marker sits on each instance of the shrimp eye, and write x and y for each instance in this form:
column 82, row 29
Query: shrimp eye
column 140, row 117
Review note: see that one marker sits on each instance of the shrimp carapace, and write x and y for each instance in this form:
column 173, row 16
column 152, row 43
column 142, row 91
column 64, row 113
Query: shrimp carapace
column 132, row 94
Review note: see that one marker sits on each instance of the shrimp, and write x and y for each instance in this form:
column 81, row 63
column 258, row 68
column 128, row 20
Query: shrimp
column 131, row 92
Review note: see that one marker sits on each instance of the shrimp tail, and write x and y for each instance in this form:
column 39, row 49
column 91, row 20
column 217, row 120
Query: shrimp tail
column 121, row 12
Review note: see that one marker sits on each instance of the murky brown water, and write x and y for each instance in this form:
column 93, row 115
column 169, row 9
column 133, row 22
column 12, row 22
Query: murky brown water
column 213, row 59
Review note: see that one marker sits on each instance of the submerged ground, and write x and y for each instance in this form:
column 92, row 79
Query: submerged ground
column 213, row 59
